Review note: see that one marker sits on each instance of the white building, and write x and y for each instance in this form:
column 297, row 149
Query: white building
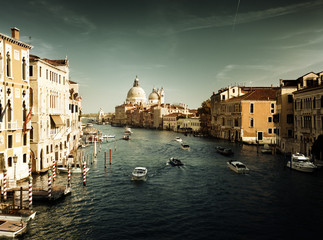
column 50, row 90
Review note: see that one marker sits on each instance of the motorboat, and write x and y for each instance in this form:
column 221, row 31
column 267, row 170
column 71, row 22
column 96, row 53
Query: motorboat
column 175, row 162
column 237, row 166
column 11, row 229
column 185, row 146
column 301, row 163
column 178, row 139
column 126, row 137
column 224, row 151
column 139, row 173
column 266, row 149
column 127, row 130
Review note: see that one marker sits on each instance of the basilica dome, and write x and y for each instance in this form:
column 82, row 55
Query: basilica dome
column 136, row 95
column 153, row 96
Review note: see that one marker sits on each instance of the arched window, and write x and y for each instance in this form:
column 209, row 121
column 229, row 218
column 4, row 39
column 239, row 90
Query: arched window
column 32, row 134
column 8, row 65
column 9, row 111
column 31, row 97
column 24, row 111
column 23, row 68
column 9, row 161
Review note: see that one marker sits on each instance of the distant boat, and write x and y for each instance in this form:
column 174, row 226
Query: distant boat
column 128, row 131
column 185, row 146
column 224, row 151
column 178, row 139
column 126, row 137
column 237, row 166
column 139, row 173
column 175, row 162
column 266, row 149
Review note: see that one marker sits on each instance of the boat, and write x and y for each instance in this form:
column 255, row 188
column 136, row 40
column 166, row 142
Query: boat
column 11, row 229
column 185, row 146
column 266, row 149
column 237, row 166
column 301, row 163
column 10, row 214
column 139, row 173
column 178, row 139
column 175, row 162
column 73, row 169
column 224, row 151
column 126, row 137
column 127, row 130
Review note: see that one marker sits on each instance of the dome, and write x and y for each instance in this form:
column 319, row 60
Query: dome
column 136, row 94
column 153, row 96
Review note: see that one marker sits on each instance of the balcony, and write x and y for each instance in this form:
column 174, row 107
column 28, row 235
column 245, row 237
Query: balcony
column 12, row 126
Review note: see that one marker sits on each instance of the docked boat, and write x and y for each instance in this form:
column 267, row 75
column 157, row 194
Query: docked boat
column 178, row 139
column 185, row 146
column 73, row 169
column 301, row 163
column 139, row 173
column 224, row 151
column 175, row 162
column 11, row 229
column 266, row 149
column 237, row 166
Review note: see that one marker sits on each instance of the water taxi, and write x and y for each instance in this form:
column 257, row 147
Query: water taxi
column 301, row 163
column 237, row 166
column 139, row 173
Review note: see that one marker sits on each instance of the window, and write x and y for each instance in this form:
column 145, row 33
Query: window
column 322, row 101
column 8, row 65
column 24, row 158
column 9, row 141
column 251, row 108
column 270, row 130
column 31, row 71
column 275, row 130
column 9, row 161
column 270, row 119
column 290, row 98
column 25, row 140
column 223, row 97
column 40, row 71
column 290, row 118
column 290, row 133
column 272, row 108
column 47, row 74
column 23, row 68
column 251, row 122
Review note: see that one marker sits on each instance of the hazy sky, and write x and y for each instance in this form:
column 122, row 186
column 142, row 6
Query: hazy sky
column 189, row 47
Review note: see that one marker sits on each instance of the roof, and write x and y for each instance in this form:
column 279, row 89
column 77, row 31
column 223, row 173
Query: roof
column 12, row 40
column 257, row 95
column 60, row 62
column 172, row 115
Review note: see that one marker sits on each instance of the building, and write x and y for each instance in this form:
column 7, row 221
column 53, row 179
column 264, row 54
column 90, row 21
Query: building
column 308, row 112
column 249, row 118
column 15, row 107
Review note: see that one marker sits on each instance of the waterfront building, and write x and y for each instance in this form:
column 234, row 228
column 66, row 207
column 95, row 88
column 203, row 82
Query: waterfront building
column 100, row 116
column 170, row 121
column 73, row 122
column 249, row 118
column 284, row 117
column 136, row 95
column 15, row 107
column 53, row 112
column 308, row 112
column 190, row 124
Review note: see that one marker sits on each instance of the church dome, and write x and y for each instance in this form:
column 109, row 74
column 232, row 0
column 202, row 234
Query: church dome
column 136, row 94
column 153, row 96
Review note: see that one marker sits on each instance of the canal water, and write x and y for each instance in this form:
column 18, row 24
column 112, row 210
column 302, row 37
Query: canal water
column 204, row 199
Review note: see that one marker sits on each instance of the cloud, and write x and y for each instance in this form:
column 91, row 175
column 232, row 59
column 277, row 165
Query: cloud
column 192, row 23
column 62, row 13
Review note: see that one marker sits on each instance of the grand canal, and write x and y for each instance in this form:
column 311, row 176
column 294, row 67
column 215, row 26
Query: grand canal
column 201, row 200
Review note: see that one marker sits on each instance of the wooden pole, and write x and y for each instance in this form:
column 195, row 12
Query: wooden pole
column 49, row 184
column 110, row 156
column 54, row 169
column 84, row 173
column 69, row 175
column 20, row 197
column 5, row 184
column 30, row 192
column 105, row 159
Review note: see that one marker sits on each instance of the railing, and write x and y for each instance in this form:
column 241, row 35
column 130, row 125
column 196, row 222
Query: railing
column 12, row 125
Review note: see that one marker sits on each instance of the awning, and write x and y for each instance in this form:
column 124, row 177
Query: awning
column 57, row 120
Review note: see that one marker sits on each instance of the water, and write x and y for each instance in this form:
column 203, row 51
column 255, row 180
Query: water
column 201, row 200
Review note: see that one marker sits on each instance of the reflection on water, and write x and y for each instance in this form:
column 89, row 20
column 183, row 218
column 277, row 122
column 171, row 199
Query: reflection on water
column 201, row 200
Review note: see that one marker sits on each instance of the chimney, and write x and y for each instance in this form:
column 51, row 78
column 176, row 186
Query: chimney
column 15, row 33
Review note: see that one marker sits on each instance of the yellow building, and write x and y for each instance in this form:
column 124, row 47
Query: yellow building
column 15, row 107
column 249, row 118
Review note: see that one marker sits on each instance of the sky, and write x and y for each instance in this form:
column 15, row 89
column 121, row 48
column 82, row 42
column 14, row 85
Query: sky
column 191, row 48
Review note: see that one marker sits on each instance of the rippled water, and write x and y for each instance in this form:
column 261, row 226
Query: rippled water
column 201, row 200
